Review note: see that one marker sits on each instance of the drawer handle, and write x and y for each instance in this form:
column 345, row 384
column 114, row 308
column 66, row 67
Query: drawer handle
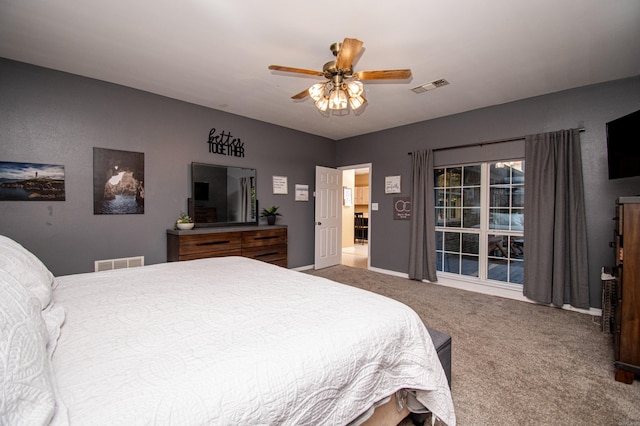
column 269, row 237
column 214, row 243
column 267, row 254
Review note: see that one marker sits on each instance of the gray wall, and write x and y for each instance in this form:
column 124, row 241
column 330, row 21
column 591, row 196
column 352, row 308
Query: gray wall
column 589, row 107
column 57, row 118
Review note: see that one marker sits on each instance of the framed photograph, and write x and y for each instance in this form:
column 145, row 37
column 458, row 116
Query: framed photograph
column 31, row 182
column 302, row 192
column 280, row 185
column 118, row 182
column 347, row 194
column 392, row 185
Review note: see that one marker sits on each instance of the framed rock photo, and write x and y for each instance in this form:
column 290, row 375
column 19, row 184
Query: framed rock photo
column 118, row 182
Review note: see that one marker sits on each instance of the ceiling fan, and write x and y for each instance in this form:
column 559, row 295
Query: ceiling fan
column 343, row 87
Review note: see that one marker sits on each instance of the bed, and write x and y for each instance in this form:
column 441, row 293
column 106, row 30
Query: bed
column 223, row 341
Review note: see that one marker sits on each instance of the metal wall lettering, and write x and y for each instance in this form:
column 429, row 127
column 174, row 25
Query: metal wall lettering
column 225, row 144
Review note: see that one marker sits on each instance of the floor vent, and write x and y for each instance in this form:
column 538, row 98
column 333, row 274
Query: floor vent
column 125, row 262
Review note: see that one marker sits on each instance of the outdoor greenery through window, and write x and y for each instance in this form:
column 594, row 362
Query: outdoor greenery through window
column 480, row 220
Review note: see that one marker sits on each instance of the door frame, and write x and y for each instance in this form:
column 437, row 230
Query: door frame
column 370, row 167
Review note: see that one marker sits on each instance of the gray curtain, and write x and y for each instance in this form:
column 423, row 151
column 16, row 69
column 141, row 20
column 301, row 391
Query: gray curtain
column 422, row 249
column 555, row 265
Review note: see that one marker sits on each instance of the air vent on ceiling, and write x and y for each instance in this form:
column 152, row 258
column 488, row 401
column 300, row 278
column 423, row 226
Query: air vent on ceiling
column 125, row 262
column 430, row 86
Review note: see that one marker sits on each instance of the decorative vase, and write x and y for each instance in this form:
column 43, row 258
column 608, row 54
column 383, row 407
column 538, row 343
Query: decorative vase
column 185, row 225
column 271, row 220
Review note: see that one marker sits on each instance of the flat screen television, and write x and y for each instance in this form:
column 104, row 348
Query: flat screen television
column 223, row 195
column 623, row 146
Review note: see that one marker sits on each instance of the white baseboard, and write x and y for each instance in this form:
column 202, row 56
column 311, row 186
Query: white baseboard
column 303, row 268
column 488, row 289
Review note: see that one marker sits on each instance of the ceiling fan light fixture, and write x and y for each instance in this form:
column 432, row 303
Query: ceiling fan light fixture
column 357, row 101
column 322, row 104
column 317, row 91
column 337, row 99
column 343, row 90
column 355, row 88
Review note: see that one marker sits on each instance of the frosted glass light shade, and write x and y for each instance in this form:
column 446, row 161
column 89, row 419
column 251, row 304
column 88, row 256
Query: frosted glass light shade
column 322, row 103
column 356, row 102
column 355, row 88
column 317, row 91
column 337, row 99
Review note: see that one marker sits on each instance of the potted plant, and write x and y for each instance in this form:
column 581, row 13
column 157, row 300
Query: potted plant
column 270, row 214
column 184, row 222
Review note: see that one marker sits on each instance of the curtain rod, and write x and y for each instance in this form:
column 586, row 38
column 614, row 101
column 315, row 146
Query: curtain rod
column 580, row 129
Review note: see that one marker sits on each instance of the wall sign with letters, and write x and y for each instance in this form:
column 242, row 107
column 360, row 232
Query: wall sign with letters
column 224, row 143
column 401, row 208
column 280, row 185
column 392, row 185
column 302, row 192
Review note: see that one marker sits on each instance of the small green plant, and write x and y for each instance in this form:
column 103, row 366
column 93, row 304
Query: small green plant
column 271, row 211
column 184, row 218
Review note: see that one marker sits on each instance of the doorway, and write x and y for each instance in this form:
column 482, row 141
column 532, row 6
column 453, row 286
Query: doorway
column 356, row 226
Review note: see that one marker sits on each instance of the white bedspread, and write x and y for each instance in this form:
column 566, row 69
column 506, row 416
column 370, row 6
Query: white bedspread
column 233, row 341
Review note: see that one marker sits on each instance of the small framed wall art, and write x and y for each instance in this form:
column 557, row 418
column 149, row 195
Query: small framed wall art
column 302, row 192
column 280, row 185
column 347, row 196
column 392, row 185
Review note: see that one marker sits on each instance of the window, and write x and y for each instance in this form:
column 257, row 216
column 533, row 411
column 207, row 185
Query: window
column 480, row 221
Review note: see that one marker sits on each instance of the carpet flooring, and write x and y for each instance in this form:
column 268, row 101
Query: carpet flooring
column 515, row 363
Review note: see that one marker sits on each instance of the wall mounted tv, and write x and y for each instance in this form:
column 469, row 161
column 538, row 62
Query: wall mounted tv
column 222, row 195
column 623, row 146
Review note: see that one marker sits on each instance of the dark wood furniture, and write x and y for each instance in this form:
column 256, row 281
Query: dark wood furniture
column 626, row 304
column 360, row 228
column 266, row 243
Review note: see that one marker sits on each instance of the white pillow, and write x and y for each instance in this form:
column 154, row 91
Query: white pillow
column 27, row 269
column 53, row 316
column 29, row 395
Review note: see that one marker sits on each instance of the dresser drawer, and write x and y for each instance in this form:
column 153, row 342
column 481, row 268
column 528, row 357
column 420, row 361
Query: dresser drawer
column 264, row 237
column 198, row 246
column 276, row 254
column 268, row 244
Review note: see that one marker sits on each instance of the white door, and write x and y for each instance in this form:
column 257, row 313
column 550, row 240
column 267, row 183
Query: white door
column 328, row 250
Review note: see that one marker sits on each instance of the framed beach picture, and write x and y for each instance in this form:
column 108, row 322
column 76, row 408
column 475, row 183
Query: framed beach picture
column 31, row 182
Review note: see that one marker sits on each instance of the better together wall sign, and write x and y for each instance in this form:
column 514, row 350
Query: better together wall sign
column 224, row 143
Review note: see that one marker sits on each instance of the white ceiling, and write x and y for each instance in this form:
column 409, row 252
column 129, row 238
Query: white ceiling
column 216, row 53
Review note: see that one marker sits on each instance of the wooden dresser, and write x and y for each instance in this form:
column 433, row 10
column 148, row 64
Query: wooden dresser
column 266, row 243
column 626, row 303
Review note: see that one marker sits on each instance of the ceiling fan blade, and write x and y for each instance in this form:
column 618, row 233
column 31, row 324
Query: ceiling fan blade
column 383, row 75
column 301, row 95
column 348, row 52
column 296, row 70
